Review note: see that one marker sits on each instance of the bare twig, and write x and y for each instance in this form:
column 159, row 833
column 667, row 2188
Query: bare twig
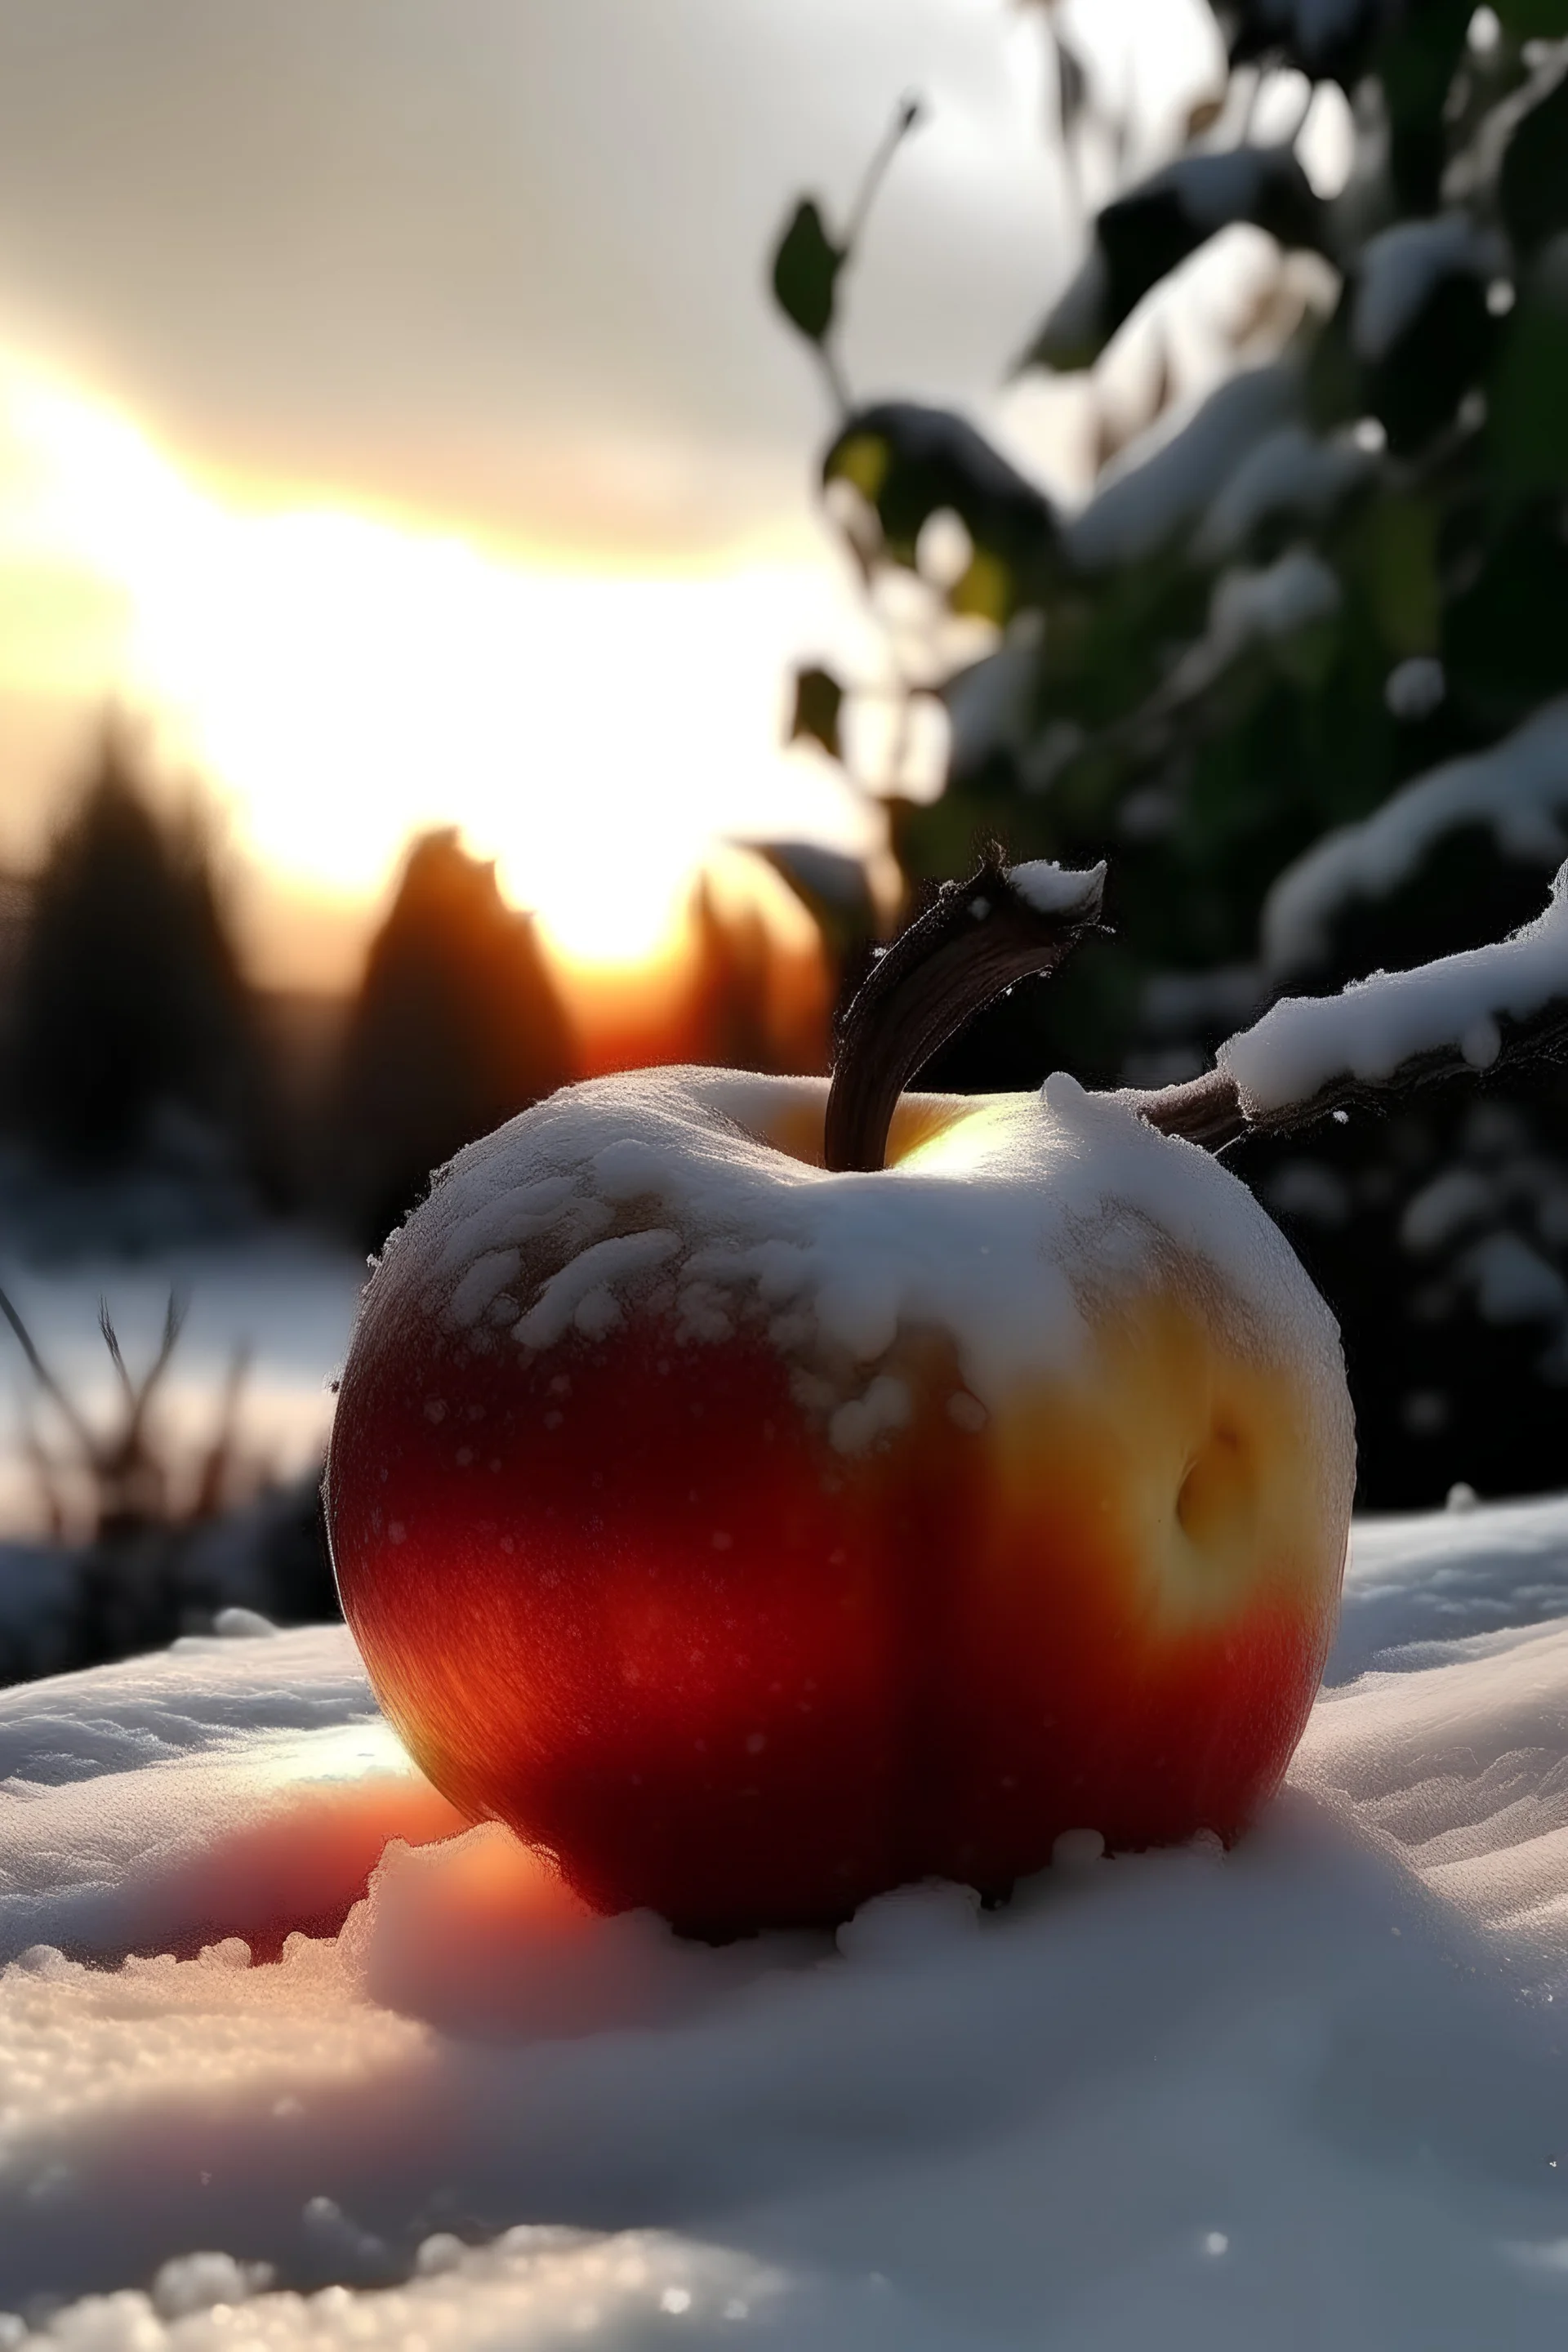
column 833, row 377
column 116, row 1354
column 142, row 1397
column 128, row 1475
column 45, row 1378
column 905, row 115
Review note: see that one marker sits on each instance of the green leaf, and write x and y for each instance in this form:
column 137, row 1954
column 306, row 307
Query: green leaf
column 1417, row 386
column 818, row 701
column 861, row 459
column 806, row 264
column 984, row 590
column 910, row 462
column 1149, row 232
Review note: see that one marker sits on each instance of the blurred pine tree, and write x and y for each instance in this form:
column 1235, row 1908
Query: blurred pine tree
column 131, row 1029
column 458, row 1026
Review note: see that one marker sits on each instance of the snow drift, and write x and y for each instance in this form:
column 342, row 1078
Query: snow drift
column 1310, row 2092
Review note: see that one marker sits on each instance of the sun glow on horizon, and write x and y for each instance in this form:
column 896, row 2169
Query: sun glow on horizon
column 345, row 680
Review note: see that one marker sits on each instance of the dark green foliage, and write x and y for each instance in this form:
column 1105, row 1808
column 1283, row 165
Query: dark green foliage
column 1528, row 413
column 1291, row 626
column 832, row 886
column 806, row 271
column 1532, row 184
column 1142, row 236
column 1541, row 20
column 1503, row 631
column 1415, row 62
column 1416, row 387
column 818, row 699
column 1327, row 45
column 129, row 1010
column 836, row 892
column 909, row 463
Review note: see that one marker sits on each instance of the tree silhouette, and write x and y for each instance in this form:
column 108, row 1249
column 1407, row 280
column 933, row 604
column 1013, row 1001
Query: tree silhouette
column 729, row 999
column 458, row 1026
column 129, row 998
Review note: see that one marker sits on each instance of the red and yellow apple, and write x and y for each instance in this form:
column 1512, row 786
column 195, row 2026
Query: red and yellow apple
column 753, row 1539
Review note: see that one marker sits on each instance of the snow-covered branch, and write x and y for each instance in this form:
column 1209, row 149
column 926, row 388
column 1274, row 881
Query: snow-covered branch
column 1309, row 1056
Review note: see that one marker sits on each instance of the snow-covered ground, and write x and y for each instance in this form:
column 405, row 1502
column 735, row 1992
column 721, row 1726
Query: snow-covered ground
column 1310, row 2093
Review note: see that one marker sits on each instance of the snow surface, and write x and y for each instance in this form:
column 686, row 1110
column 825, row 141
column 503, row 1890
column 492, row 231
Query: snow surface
column 1375, row 1025
column 1310, row 2093
column 1518, row 791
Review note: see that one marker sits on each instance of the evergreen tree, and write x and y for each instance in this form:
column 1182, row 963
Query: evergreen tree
column 129, row 999
column 458, row 1026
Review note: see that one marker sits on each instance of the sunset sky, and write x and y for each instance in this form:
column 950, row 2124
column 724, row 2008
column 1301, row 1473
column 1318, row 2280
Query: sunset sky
column 391, row 412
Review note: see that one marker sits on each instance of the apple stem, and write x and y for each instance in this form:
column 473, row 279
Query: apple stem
column 977, row 937
column 975, row 940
